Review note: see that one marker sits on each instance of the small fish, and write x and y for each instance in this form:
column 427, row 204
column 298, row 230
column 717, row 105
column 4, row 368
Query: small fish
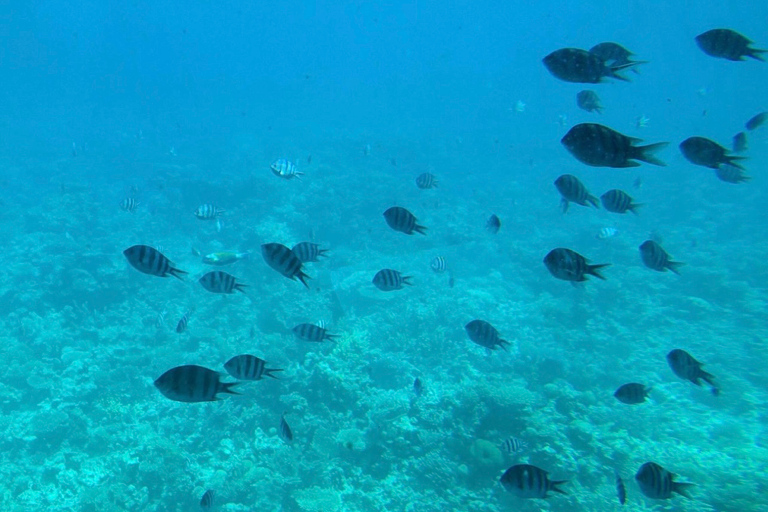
column 438, row 264
column 519, row 106
column 181, row 326
column 638, row 183
column 728, row 44
column 312, row 332
column 618, row 201
column 208, row 212
column 221, row 282
column 632, row 393
column 206, row 502
column 284, row 431
column 219, row 225
column 484, row 334
column 493, row 224
column 599, row 146
column 451, row 280
column 606, row 233
column 388, row 280
column 739, row 144
column 642, row 121
column 151, row 261
column 426, row 181
column 656, row 258
column 248, row 367
column 418, row 387
column 573, row 191
column 192, row 383
column 129, row 204
column 571, row 266
column 308, row 252
column 527, row 481
column 402, row 220
column 160, row 320
column 580, row 66
column 621, row 491
column 687, row 368
column 707, row 153
column 225, row 258
column 513, row 445
column 613, row 54
column 657, row 483
column 731, row 174
column 283, row 168
column 367, row 150
column 756, row 121
column 589, row 100
column 284, row 261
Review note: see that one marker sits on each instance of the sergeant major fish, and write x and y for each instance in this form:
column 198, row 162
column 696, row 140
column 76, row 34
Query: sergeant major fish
column 281, row 259
column 283, row 168
column 527, row 481
column 571, row 266
column 589, row 101
column 221, row 282
column 707, row 153
column 192, row 383
column 248, row 367
column 728, row 44
column 484, row 334
column 426, row 181
column 685, row 366
column 613, row 54
column 632, row 393
column 657, row 483
column 151, row 261
column 308, row 252
column 388, row 280
column 580, row 66
column 208, row 212
column 312, row 332
column 618, row 201
column 656, row 258
column 402, row 220
column 599, row 146
column 129, row 204
column 573, row 191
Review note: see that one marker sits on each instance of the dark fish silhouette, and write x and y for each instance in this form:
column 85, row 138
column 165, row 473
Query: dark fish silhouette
column 707, row 153
column 285, row 432
column 426, row 180
column 632, row 393
column 589, row 101
column 218, row 281
column 307, row 252
column 613, row 54
column 151, row 261
column 248, row 367
column 573, row 191
column 756, row 121
column 657, row 483
column 494, row 224
column 418, row 387
column 739, row 144
column 183, row 322
column 731, row 174
column 527, row 481
column 402, row 220
column 192, row 383
column 599, row 146
column 656, row 258
column 312, row 332
column 485, row 335
column 571, row 266
column 580, row 66
column 284, row 261
column 206, row 502
column 687, row 368
column 727, row 44
column 621, row 491
column 618, row 201
column 388, row 280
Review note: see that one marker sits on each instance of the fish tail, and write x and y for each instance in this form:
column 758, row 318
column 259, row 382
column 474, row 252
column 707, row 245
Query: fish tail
column 554, row 486
column 303, row 277
column 177, row 273
column 633, row 206
column 681, row 488
column 594, row 201
column 733, row 160
column 420, row 229
column 564, row 203
column 407, row 280
column 644, row 153
column 756, row 54
column 269, row 371
column 614, row 69
column 503, row 344
column 673, row 265
column 240, row 287
column 593, row 270
column 708, row 378
column 226, row 388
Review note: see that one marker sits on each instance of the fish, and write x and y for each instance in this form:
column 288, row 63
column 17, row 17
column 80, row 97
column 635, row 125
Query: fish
column 248, row 367
column 208, row 212
column 283, row 168
column 150, row 261
column 484, row 334
column 418, row 387
column 707, row 153
column 513, row 445
column 686, row 367
column 388, row 280
column 181, row 326
column 206, row 502
column 621, row 491
column 494, row 224
column 312, row 332
column 580, row 66
column 731, row 174
column 728, row 44
column 571, row 266
column 638, row 183
column 527, row 481
column 426, row 180
column 129, row 204
column 284, row 261
column 756, row 121
column 519, row 106
column 632, row 393
column 220, row 259
column 656, row 258
column 642, row 121
column 657, row 483
column 599, row 146
column 618, row 201
column 285, row 432
column 438, row 264
column 402, row 220
column 613, row 54
column 589, row 101
column 573, row 191
column 739, row 144
column 451, row 280
column 308, row 252
column 191, row 383
column 220, row 282
column 606, row 232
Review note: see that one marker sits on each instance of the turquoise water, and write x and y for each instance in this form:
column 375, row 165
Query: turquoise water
column 178, row 106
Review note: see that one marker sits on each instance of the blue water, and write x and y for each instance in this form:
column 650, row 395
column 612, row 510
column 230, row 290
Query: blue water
column 178, row 105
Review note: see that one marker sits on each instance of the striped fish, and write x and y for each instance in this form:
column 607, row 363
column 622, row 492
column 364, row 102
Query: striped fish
column 312, row 332
column 286, row 169
column 658, row 484
column 513, row 445
column 192, row 383
column 618, row 201
column 632, row 393
column 426, row 180
column 621, row 491
column 606, row 233
column 151, row 261
column 206, row 502
column 656, row 258
column 308, row 252
column 688, row 368
column 284, row 261
column 527, row 481
column 438, row 264
column 285, row 432
column 388, row 280
column 208, row 212
column 181, row 326
column 728, row 44
column 402, row 220
column 573, row 191
column 218, row 281
column 248, row 367
column 571, row 266
column 485, row 335
column 129, row 204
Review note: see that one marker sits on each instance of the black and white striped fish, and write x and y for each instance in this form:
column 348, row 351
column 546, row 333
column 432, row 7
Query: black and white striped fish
column 206, row 502
column 527, row 481
column 571, row 266
column 284, row 261
column 438, row 264
column 129, row 204
column 656, row 258
column 426, row 180
column 192, row 383
column 285, row 169
column 208, row 212
column 218, row 281
column 573, row 190
column 151, row 261
column 285, row 432
column 388, row 280
column 402, row 220
column 513, row 445
column 658, row 484
column 248, row 367
column 618, row 201
column 308, row 252
column 181, row 326
column 485, row 335
column 312, row 332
